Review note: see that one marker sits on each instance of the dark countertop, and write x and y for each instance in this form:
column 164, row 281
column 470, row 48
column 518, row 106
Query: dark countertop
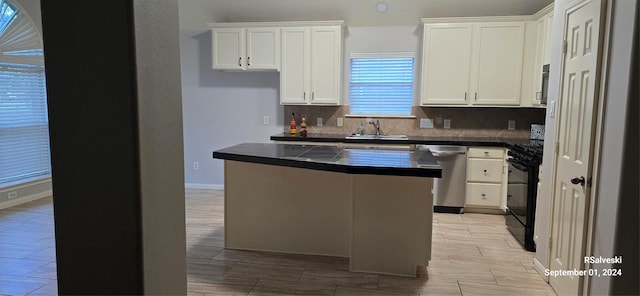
column 417, row 140
column 373, row 161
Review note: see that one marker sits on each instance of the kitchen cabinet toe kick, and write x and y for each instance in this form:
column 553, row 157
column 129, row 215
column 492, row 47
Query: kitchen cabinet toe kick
column 382, row 223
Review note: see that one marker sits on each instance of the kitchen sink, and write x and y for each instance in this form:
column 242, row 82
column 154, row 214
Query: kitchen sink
column 377, row 137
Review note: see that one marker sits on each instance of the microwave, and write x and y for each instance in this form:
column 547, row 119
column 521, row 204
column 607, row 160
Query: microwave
column 544, row 89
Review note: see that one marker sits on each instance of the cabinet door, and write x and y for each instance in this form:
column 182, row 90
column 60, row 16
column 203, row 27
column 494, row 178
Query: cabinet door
column 228, row 49
column 294, row 72
column 541, row 31
column 263, row 49
column 446, row 64
column 486, row 195
column 326, row 52
column 498, row 63
column 546, row 56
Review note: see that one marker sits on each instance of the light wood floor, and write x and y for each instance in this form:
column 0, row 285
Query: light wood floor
column 473, row 254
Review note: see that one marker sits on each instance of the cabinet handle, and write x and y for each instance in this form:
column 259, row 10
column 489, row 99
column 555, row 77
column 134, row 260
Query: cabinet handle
column 486, row 153
column 313, row 96
column 248, row 61
column 304, row 95
column 475, row 97
column 465, row 96
column 240, row 61
column 484, row 196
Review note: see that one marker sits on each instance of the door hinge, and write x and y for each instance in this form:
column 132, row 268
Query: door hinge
column 564, row 46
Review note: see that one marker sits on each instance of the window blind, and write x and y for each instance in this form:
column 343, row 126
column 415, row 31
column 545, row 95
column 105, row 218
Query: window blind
column 381, row 86
column 24, row 133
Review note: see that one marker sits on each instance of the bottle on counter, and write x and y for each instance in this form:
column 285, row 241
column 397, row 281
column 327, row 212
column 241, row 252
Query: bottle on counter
column 292, row 128
column 303, row 126
column 362, row 128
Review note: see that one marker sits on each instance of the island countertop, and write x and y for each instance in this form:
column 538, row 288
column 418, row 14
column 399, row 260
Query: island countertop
column 375, row 161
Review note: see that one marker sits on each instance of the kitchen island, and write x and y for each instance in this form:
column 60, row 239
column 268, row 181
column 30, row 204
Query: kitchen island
column 373, row 206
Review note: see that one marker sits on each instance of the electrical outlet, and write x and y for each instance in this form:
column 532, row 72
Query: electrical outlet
column 319, row 121
column 340, row 121
column 196, row 165
column 447, row 123
column 12, row 195
column 426, row 123
column 512, row 125
column 265, row 120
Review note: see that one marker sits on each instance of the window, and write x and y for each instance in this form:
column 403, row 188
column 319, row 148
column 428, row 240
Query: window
column 24, row 131
column 381, row 85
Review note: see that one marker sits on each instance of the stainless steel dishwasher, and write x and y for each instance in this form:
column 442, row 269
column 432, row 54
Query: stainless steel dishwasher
column 450, row 190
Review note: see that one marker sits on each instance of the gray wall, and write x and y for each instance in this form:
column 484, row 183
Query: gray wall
column 616, row 223
column 161, row 152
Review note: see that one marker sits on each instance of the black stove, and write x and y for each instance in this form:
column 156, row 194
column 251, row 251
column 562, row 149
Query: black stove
column 529, row 154
column 524, row 163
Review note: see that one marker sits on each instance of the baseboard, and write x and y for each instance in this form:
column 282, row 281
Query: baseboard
column 540, row 269
column 25, row 199
column 204, row 186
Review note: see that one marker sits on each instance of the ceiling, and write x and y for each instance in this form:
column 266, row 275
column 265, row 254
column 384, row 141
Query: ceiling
column 195, row 13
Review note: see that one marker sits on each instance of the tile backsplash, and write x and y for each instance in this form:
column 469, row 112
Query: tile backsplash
column 465, row 121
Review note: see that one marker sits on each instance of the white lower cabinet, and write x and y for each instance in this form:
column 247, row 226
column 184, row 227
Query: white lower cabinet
column 486, row 179
column 484, row 194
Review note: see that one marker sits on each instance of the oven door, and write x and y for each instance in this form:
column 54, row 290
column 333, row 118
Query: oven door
column 517, row 190
column 521, row 204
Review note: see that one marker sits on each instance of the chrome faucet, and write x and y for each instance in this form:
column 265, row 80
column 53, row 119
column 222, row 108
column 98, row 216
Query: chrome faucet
column 376, row 124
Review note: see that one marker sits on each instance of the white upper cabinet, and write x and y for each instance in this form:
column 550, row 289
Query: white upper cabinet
column 543, row 23
column 311, row 65
column 446, row 65
column 498, row 63
column 472, row 62
column 326, row 66
column 294, row 74
column 263, row 49
column 228, row 48
column 245, row 48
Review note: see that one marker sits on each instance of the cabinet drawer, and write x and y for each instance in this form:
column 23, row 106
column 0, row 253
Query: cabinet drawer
column 488, row 152
column 484, row 170
column 479, row 194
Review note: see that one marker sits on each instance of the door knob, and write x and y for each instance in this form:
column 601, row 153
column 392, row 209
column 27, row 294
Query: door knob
column 578, row 180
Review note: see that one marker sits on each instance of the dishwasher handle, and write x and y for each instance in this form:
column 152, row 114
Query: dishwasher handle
column 438, row 153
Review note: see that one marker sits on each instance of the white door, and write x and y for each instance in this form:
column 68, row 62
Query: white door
column 228, row 49
column 446, row 67
column 498, row 63
column 326, row 52
column 575, row 144
column 294, row 71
